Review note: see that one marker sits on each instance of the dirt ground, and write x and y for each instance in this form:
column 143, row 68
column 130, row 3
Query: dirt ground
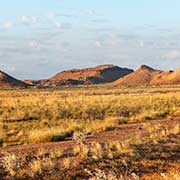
column 153, row 157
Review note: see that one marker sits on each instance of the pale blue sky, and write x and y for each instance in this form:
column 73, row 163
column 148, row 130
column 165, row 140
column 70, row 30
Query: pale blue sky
column 41, row 37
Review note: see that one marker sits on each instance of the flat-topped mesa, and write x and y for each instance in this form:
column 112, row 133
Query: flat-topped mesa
column 94, row 75
column 7, row 81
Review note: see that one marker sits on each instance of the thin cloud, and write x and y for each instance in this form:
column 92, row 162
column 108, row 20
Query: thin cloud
column 65, row 44
column 98, row 44
column 11, row 69
column 172, row 55
column 8, row 25
column 100, row 21
column 63, row 25
column 43, row 62
column 127, row 37
column 34, row 44
column 28, row 20
column 141, row 44
column 53, row 15
column 90, row 12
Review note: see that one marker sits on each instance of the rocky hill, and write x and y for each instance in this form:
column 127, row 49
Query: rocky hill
column 7, row 81
column 144, row 75
column 97, row 75
column 110, row 75
column 167, row 78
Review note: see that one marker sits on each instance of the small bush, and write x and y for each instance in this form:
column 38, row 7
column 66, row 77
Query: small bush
column 48, row 135
column 79, row 137
column 11, row 164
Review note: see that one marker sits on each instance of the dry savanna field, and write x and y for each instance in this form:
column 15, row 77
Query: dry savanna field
column 90, row 133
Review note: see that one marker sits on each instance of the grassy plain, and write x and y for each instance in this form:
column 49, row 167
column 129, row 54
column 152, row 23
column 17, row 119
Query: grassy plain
column 33, row 117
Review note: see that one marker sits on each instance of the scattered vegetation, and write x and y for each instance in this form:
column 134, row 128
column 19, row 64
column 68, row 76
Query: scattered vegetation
column 32, row 116
column 11, row 164
column 123, row 158
column 78, row 115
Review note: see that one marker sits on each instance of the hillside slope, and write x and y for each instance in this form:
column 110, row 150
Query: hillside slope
column 97, row 75
column 142, row 76
column 7, row 81
column 167, row 78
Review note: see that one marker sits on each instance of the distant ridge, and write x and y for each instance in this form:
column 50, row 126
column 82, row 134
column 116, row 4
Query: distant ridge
column 146, row 75
column 7, row 81
column 108, row 75
column 167, row 78
column 96, row 75
column 142, row 76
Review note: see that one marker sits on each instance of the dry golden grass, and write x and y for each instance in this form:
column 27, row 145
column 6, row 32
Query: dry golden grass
column 39, row 116
column 170, row 174
column 46, row 161
column 33, row 116
column 11, row 164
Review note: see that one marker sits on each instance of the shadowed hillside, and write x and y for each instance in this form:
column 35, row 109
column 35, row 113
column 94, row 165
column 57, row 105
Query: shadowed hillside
column 7, row 81
column 96, row 75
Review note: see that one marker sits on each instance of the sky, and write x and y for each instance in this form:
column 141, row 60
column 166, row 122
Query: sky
column 39, row 38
